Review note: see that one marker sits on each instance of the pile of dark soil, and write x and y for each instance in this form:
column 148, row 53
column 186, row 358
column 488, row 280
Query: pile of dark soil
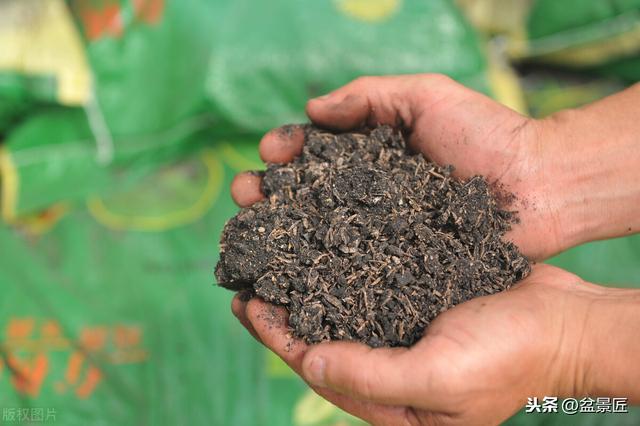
column 362, row 240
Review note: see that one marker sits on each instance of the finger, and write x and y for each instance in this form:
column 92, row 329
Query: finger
column 370, row 412
column 245, row 189
column 271, row 325
column 282, row 145
column 393, row 100
column 239, row 307
column 384, row 375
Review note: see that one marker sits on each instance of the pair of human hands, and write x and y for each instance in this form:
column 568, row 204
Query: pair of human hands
column 478, row 362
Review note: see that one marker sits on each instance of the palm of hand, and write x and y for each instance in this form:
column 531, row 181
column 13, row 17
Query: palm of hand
column 475, row 357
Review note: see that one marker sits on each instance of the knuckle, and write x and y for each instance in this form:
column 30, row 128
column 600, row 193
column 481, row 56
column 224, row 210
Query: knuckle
column 412, row 418
column 435, row 78
column 367, row 384
column 366, row 81
column 431, row 419
column 561, row 118
column 446, row 379
column 422, row 85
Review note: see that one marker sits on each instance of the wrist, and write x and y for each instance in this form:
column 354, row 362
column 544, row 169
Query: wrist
column 589, row 169
column 552, row 194
column 611, row 346
column 599, row 345
column 563, row 176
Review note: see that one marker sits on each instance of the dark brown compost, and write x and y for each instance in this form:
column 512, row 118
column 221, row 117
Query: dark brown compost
column 362, row 240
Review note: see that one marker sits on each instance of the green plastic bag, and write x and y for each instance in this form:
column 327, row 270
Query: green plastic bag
column 270, row 57
column 583, row 34
column 166, row 74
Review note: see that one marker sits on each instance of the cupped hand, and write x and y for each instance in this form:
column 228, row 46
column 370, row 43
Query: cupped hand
column 449, row 124
column 477, row 363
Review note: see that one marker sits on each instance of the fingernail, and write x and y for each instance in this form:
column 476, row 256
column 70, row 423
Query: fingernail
column 315, row 371
column 323, row 97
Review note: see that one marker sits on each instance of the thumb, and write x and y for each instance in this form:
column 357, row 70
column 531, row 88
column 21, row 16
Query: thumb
column 340, row 111
column 393, row 100
column 449, row 123
column 383, row 375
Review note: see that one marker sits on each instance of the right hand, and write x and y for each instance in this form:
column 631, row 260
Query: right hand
column 552, row 334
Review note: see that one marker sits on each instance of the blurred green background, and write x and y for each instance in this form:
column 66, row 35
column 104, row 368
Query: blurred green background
column 122, row 123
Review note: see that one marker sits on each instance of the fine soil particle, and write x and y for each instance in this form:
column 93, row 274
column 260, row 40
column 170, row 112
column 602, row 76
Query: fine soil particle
column 362, row 240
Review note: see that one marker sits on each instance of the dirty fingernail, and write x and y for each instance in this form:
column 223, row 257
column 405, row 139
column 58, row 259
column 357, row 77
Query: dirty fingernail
column 315, row 371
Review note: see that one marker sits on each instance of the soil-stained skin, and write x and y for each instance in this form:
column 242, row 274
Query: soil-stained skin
column 362, row 240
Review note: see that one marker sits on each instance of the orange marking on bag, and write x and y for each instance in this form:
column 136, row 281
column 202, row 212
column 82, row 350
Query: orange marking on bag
column 20, row 328
column 93, row 338
column 94, row 376
column 100, row 21
column 28, row 379
column 126, row 336
column 50, row 329
column 73, row 370
column 149, row 11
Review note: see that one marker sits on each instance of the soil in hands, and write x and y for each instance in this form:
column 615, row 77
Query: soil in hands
column 363, row 240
